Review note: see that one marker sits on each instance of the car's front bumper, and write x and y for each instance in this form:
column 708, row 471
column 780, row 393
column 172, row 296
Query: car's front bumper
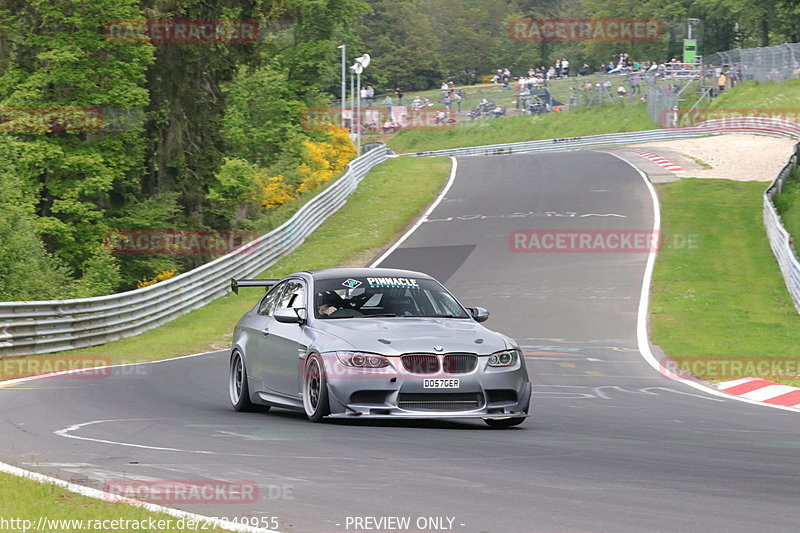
column 486, row 392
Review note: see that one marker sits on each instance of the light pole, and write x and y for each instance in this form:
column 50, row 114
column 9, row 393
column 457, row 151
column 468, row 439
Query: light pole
column 352, row 100
column 344, row 83
column 359, row 66
column 358, row 69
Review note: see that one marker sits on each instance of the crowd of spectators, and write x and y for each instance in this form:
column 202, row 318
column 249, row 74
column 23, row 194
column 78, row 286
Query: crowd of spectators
column 528, row 86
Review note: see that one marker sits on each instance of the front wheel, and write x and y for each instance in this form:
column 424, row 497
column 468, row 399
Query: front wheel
column 315, row 389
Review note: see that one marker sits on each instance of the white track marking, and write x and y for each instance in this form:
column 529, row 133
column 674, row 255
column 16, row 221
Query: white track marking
column 106, row 496
column 68, row 433
column 644, row 303
column 423, row 218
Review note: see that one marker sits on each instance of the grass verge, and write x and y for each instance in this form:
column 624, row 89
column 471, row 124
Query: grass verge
column 27, row 500
column 777, row 96
column 584, row 121
column 386, row 201
column 719, row 305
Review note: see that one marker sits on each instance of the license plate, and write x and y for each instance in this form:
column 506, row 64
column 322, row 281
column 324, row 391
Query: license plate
column 432, row 383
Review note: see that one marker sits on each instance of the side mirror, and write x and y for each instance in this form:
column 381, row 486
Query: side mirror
column 479, row 314
column 290, row 316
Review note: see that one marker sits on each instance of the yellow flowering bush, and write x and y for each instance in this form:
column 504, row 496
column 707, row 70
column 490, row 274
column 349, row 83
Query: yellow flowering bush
column 325, row 159
column 276, row 191
column 160, row 275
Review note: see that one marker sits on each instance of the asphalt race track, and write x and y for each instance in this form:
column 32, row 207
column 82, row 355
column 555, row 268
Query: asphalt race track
column 611, row 445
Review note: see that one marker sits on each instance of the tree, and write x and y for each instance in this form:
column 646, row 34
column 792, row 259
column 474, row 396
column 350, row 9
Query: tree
column 405, row 50
column 63, row 73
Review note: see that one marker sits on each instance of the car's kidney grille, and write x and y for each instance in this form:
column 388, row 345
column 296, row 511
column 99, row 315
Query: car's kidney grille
column 459, row 401
column 421, row 363
column 459, row 363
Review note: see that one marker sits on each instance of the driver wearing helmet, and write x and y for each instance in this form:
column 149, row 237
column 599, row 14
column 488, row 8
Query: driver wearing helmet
column 330, row 302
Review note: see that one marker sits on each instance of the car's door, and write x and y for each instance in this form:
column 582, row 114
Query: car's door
column 281, row 345
column 258, row 326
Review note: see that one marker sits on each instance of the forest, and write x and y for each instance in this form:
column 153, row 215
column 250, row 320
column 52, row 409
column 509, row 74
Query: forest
column 118, row 118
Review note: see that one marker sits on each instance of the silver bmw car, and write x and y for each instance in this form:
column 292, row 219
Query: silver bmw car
column 373, row 343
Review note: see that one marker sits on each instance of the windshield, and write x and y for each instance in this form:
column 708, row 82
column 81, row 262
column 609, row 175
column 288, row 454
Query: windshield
column 384, row 297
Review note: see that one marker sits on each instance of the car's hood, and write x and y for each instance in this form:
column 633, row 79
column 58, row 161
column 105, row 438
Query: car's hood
column 399, row 335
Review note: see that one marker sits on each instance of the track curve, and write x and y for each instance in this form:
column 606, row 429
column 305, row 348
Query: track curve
column 611, row 445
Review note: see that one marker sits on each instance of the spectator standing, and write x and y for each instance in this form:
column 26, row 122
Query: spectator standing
column 398, row 93
column 525, row 96
column 457, row 99
column 636, row 83
column 370, row 95
column 721, row 82
column 564, row 68
column 388, row 103
column 734, row 76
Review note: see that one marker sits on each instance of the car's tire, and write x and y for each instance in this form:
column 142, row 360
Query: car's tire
column 315, row 389
column 238, row 390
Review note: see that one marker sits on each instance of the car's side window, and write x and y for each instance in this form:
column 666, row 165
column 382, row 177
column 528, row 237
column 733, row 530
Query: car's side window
column 267, row 305
column 294, row 295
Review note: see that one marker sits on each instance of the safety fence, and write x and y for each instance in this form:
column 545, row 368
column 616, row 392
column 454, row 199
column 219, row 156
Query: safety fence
column 775, row 63
column 49, row 326
column 780, row 240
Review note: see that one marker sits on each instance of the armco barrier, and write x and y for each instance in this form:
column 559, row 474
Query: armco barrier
column 779, row 239
column 758, row 125
column 49, row 326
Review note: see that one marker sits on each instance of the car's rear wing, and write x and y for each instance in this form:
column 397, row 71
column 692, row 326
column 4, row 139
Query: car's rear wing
column 236, row 283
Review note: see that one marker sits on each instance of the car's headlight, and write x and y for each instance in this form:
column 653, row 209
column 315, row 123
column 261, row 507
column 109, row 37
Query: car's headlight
column 362, row 360
column 504, row 358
